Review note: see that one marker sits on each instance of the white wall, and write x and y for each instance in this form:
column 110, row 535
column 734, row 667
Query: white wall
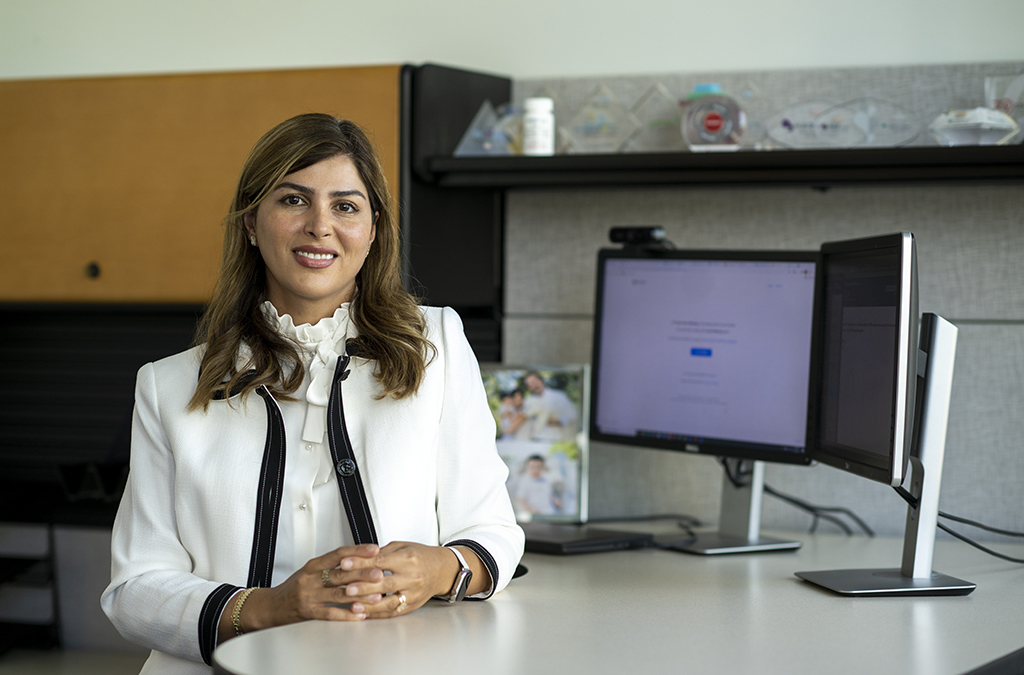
column 522, row 39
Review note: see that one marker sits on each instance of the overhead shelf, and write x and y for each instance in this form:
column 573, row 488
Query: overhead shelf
column 816, row 168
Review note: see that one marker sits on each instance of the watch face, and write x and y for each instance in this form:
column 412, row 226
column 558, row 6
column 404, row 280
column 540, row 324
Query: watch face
column 462, row 584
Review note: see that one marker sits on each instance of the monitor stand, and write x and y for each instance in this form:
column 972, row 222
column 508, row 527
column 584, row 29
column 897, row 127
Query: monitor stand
column 915, row 577
column 739, row 523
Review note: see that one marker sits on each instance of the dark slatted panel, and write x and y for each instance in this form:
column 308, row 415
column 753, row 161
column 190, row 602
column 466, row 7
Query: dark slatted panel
column 484, row 335
column 67, row 380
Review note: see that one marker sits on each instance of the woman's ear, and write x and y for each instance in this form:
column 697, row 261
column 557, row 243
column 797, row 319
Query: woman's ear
column 249, row 220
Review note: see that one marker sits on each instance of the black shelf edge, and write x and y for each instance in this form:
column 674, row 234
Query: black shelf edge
column 929, row 164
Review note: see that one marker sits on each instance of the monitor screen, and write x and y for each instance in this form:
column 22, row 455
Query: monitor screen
column 705, row 351
column 869, row 356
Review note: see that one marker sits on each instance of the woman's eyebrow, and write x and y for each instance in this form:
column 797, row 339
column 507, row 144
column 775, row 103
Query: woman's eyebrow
column 308, row 190
column 294, row 186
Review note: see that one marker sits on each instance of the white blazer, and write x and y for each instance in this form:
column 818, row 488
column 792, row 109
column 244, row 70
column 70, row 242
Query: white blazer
column 184, row 536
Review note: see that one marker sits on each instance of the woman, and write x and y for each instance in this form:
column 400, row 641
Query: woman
column 360, row 480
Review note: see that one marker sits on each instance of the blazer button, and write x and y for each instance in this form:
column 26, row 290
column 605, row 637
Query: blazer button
column 346, row 467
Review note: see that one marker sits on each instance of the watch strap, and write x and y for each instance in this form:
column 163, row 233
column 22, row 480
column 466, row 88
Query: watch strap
column 462, row 579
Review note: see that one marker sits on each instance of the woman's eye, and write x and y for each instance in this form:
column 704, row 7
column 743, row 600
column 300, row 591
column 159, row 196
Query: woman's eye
column 292, row 200
column 347, row 207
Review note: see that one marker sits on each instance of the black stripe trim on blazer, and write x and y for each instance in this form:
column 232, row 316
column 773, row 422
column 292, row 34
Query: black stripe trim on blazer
column 268, row 498
column 349, row 482
column 485, row 557
column 209, row 619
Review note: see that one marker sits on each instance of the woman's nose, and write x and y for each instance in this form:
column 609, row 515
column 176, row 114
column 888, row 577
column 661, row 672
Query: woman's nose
column 318, row 222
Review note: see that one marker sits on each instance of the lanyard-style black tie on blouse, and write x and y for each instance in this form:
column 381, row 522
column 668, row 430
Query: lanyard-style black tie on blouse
column 349, row 482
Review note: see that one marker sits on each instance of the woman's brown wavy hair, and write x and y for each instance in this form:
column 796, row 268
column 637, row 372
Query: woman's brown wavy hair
column 390, row 325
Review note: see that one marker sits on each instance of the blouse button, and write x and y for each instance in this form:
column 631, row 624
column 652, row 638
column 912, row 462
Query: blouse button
column 303, row 506
column 309, row 447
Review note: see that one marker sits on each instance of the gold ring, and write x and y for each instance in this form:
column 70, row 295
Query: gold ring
column 325, row 577
column 401, row 602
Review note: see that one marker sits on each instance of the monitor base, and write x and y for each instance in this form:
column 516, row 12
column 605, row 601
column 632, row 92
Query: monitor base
column 886, row 581
column 715, row 543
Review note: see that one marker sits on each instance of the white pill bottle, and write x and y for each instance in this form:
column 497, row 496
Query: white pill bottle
column 539, row 127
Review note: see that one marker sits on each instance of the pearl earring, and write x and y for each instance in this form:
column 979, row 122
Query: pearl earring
column 252, row 239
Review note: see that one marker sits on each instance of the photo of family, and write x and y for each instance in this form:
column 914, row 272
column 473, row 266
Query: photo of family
column 539, row 413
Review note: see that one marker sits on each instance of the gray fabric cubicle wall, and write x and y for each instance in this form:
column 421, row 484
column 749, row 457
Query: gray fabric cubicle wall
column 971, row 246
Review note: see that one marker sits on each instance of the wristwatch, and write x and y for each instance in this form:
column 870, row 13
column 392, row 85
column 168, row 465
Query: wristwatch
column 462, row 579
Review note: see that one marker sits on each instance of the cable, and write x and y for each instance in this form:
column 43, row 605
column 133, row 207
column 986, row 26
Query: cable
column 981, row 526
column 907, row 497
column 818, row 512
column 914, row 502
column 822, row 512
column 737, row 480
column 978, row 546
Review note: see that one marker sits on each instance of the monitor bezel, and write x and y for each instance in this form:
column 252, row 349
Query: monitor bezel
column 714, row 447
column 889, row 469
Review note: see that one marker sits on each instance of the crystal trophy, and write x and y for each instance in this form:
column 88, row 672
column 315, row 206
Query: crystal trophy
column 659, row 116
column 866, row 123
column 1007, row 95
column 510, row 127
column 484, row 137
column 981, row 126
column 602, row 125
column 794, row 127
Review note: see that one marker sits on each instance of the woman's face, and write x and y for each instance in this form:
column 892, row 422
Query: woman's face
column 314, row 230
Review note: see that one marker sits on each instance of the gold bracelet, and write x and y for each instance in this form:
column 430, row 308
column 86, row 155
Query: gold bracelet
column 236, row 614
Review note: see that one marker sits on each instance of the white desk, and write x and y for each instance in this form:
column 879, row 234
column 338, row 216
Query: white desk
column 655, row 611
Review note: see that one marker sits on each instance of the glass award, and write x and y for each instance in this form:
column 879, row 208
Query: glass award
column 981, row 126
column 866, row 123
column 659, row 116
column 794, row 127
column 484, row 137
column 1006, row 94
column 602, row 125
column 510, row 127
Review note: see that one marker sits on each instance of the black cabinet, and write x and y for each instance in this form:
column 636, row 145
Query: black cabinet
column 452, row 238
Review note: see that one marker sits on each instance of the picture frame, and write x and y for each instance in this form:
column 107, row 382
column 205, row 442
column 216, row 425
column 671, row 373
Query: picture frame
column 541, row 419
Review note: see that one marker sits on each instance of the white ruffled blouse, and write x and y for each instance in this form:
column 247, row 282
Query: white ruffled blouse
column 322, row 344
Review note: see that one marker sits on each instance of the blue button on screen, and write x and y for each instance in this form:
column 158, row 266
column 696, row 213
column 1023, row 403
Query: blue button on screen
column 696, row 351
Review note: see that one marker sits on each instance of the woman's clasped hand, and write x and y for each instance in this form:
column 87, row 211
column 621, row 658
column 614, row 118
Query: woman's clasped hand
column 353, row 583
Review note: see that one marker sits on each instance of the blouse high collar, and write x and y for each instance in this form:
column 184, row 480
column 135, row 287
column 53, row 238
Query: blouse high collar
column 320, row 344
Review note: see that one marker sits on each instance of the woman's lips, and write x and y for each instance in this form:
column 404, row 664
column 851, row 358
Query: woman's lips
column 314, row 260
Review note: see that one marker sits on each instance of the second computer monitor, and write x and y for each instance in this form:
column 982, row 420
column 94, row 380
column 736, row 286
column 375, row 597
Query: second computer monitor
column 869, row 356
column 705, row 351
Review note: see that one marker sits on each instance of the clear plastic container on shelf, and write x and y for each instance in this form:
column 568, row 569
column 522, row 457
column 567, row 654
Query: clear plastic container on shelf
column 713, row 121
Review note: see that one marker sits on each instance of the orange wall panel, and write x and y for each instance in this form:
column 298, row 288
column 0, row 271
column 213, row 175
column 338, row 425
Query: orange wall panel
column 135, row 173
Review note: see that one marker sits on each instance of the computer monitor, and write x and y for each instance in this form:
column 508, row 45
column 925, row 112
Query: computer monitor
column 708, row 352
column 869, row 356
column 884, row 399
